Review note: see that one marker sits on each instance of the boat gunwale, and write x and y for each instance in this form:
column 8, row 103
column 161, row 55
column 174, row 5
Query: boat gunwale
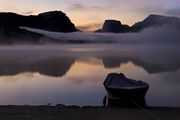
column 141, row 85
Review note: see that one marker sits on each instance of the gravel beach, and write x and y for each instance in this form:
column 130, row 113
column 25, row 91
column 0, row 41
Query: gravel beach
column 86, row 113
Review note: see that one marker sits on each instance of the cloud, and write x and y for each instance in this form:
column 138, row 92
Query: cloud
column 79, row 7
column 76, row 6
column 121, row 7
column 154, row 35
column 28, row 13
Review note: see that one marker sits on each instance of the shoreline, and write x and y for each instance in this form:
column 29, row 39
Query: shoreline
column 61, row 112
column 91, row 106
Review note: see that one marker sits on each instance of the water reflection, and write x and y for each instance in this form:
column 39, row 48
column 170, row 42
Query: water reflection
column 58, row 62
column 62, row 76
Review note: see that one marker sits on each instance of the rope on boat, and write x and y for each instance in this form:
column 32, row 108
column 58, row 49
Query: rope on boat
column 144, row 110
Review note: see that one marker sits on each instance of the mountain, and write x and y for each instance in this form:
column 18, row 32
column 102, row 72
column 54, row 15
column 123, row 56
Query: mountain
column 10, row 23
column 114, row 26
column 156, row 20
column 55, row 21
column 152, row 20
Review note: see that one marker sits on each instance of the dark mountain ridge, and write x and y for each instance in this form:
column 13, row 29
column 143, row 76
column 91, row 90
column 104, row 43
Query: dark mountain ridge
column 10, row 23
column 156, row 20
column 12, row 26
column 152, row 20
column 114, row 26
column 55, row 21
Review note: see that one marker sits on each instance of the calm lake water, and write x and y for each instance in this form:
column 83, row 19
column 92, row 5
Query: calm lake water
column 74, row 74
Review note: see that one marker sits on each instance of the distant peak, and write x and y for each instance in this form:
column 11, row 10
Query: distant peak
column 155, row 15
column 114, row 26
column 51, row 12
column 160, row 16
column 8, row 13
column 112, row 20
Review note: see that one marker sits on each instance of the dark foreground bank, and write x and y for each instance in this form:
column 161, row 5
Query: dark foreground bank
column 86, row 113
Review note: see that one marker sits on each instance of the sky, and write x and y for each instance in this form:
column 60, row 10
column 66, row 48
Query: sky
column 89, row 15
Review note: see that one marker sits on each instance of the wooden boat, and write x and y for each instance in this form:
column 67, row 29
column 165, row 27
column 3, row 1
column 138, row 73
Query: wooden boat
column 118, row 86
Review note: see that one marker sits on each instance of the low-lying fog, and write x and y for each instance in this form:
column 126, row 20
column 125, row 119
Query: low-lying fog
column 156, row 35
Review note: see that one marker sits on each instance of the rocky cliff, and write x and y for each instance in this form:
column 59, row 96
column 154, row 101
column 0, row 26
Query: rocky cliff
column 55, row 21
column 114, row 26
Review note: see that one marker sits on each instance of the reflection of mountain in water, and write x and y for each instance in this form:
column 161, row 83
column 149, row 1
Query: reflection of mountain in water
column 58, row 63
column 52, row 67
column 113, row 62
column 60, row 66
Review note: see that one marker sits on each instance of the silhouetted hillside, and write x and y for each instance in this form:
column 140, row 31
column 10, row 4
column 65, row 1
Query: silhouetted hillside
column 152, row 20
column 114, row 26
column 156, row 20
column 55, row 21
column 10, row 23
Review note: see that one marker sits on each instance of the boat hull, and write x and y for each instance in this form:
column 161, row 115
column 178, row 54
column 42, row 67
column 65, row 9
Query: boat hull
column 127, row 93
column 118, row 86
column 122, row 102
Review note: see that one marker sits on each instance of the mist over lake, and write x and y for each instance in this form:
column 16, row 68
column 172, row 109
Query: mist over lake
column 166, row 34
column 64, row 74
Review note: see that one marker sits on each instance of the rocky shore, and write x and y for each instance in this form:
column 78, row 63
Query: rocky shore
column 61, row 112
